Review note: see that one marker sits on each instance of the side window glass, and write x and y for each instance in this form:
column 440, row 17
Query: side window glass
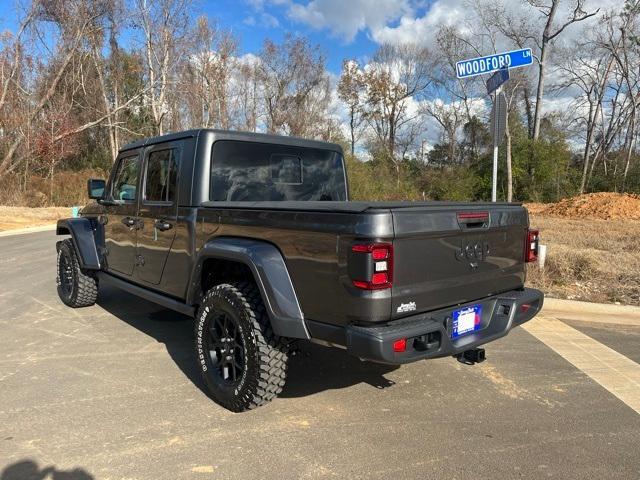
column 162, row 173
column 126, row 179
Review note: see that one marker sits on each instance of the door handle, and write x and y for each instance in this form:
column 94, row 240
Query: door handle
column 163, row 225
column 128, row 221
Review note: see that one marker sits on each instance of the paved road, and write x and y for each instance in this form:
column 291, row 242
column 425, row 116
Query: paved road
column 110, row 392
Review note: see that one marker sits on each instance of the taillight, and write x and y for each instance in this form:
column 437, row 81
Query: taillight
column 531, row 246
column 371, row 265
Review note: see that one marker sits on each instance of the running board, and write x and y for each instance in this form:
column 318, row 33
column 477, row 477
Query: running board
column 150, row 295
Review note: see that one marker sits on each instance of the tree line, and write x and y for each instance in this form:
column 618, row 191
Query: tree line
column 80, row 78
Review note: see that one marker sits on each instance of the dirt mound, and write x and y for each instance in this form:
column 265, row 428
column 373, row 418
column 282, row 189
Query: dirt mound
column 603, row 205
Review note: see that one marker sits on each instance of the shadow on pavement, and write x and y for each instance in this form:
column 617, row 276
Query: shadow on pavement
column 312, row 369
column 315, row 368
column 29, row 470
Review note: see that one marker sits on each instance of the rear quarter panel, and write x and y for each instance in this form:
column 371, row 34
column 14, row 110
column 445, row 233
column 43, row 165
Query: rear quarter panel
column 314, row 246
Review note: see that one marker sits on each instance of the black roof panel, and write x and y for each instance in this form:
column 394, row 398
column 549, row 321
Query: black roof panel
column 235, row 135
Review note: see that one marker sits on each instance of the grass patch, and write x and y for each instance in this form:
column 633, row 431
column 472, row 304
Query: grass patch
column 589, row 260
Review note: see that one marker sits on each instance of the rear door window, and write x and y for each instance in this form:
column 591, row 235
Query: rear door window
column 244, row 171
column 125, row 181
column 162, row 174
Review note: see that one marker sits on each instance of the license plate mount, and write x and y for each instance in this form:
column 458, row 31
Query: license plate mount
column 466, row 320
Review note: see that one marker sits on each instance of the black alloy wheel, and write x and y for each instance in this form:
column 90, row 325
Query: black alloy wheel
column 226, row 349
column 242, row 362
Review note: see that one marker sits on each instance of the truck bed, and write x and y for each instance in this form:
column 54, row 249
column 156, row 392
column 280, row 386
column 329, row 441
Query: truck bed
column 440, row 259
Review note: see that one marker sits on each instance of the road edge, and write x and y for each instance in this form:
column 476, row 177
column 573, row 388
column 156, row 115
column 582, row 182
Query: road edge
column 23, row 231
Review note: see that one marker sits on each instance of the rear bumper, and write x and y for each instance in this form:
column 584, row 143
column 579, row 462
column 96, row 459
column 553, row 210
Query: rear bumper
column 428, row 335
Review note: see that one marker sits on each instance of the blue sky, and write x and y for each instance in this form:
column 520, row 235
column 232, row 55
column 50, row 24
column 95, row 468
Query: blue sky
column 252, row 25
column 343, row 28
column 352, row 29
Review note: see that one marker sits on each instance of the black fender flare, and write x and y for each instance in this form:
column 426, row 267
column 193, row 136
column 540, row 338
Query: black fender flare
column 82, row 234
column 270, row 273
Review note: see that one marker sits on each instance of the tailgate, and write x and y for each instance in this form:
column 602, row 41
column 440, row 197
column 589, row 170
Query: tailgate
column 448, row 255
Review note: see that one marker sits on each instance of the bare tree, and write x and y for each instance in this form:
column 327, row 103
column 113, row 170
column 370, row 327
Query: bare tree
column 74, row 19
column 207, row 75
column 627, row 59
column 589, row 76
column 397, row 75
column 450, row 115
column 523, row 31
column 164, row 26
column 551, row 31
column 350, row 91
column 10, row 64
column 295, row 86
column 108, row 70
column 248, row 105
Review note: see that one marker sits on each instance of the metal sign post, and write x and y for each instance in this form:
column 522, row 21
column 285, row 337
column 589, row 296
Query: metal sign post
column 494, row 177
column 498, row 120
column 498, row 127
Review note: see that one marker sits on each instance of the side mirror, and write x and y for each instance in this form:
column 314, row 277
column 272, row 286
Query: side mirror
column 95, row 188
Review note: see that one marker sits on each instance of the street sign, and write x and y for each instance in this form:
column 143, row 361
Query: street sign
column 497, row 80
column 499, row 118
column 491, row 63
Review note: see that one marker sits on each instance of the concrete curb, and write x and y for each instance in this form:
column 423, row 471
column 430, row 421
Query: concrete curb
column 588, row 307
column 23, row 231
column 591, row 312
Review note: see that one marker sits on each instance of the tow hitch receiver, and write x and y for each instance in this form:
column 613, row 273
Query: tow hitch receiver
column 471, row 357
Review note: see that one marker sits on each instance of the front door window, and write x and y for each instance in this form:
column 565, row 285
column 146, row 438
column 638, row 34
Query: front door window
column 126, row 180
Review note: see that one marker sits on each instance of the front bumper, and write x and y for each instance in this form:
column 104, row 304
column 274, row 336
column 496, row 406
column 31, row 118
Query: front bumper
column 428, row 335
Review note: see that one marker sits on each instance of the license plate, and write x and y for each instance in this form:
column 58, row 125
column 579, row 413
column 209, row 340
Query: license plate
column 466, row 320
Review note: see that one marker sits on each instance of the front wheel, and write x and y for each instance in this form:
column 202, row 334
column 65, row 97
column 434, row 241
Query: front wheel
column 75, row 287
column 242, row 361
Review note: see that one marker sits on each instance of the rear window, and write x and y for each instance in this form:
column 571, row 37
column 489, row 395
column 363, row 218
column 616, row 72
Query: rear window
column 253, row 172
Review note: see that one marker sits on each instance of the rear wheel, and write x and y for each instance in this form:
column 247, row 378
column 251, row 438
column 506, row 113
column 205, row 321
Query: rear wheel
column 75, row 287
column 242, row 361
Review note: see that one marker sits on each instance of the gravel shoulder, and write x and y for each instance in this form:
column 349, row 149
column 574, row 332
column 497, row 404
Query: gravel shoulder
column 12, row 218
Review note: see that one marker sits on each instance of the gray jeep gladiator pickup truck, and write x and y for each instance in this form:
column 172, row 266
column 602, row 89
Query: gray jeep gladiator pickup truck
column 255, row 237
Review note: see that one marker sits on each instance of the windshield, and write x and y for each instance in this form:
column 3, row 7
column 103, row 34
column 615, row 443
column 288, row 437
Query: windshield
column 252, row 172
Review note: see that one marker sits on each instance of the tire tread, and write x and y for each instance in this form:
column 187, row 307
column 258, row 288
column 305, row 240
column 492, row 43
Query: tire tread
column 85, row 292
column 271, row 350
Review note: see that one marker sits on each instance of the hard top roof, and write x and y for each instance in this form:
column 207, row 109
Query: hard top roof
column 235, row 135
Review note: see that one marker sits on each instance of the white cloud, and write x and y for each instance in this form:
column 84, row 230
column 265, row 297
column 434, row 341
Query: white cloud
column 397, row 21
column 422, row 30
column 417, row 21
column 248, row 59
column 269, row 20
column 263, row 19
column 345, row 18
